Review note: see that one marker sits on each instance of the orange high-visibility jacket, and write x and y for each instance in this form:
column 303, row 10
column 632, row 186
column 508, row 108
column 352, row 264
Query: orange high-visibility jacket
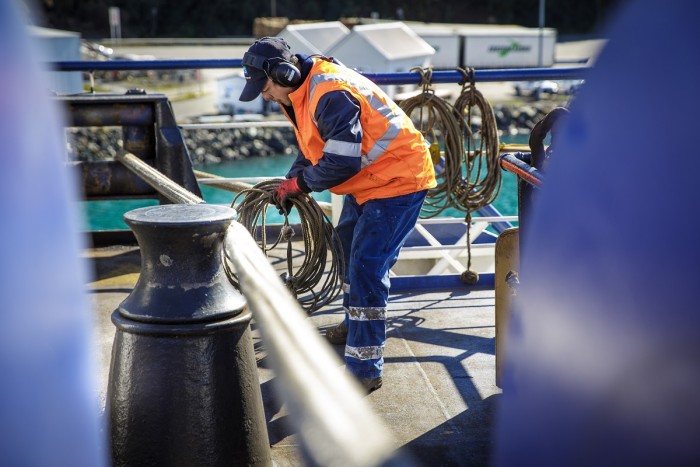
column 395, row 157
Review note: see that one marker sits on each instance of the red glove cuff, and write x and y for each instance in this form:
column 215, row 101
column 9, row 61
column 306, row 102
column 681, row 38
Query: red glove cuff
column 292, row 186
column 285, row 189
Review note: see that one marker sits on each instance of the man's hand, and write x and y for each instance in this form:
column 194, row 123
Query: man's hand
column 286, row 189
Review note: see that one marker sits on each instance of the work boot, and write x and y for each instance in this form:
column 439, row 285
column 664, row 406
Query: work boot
column 371, row 384
column 337, row 334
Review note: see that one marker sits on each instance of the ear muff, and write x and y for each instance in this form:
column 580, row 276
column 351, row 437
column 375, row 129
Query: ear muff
column 284, row 73
column 277, row 69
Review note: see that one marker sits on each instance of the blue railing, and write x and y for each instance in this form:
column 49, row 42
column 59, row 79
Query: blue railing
column 439, row 76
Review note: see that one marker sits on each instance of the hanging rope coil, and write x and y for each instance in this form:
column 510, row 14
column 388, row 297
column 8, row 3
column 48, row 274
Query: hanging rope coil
column 439, row 123
column 468, row 174
column 481, row 170
column 310, row 282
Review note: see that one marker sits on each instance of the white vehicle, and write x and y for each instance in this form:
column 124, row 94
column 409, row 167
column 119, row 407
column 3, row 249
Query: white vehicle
column 94, row 51
column 535, row 88
column 570, row 86
column 229, row 88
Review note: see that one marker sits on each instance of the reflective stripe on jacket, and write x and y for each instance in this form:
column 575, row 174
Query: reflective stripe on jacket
column 395, row 158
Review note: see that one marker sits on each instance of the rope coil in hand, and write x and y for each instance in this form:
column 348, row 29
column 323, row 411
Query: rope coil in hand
column 309, row 282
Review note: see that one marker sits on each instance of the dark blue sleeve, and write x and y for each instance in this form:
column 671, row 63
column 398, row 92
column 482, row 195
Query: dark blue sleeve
column 298, row 165
column 338, row 120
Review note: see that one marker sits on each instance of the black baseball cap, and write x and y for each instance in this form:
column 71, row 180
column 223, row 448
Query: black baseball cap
column 256, row 64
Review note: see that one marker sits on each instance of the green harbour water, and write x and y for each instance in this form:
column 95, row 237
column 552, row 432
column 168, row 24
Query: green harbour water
column 108, row 215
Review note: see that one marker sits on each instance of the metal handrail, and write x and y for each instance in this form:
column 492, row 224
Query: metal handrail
column 162, row 184
column 113, row 65
column 229, row 125
column 413, row 77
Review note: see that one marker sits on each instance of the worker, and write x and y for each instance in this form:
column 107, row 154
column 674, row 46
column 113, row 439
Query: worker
column 353, row 141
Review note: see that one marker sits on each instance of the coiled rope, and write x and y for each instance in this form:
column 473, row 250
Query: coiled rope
column 439, row 123
column 480, row 185
column 470, row 178
column 309, row 281
column 482, row 174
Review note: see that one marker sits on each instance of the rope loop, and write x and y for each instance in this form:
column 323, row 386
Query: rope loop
column 467, row 77
column 426, row 76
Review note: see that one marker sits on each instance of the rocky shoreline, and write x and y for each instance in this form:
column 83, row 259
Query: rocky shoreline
column 213, row 146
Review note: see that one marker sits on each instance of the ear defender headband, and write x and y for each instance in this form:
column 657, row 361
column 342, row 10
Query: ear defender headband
column 277, row 69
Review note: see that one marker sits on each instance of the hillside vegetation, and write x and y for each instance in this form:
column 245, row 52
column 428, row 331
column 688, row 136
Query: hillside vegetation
column 226, row 18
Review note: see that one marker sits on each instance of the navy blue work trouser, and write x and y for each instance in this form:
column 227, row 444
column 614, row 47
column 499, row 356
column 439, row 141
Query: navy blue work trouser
column 372, row 235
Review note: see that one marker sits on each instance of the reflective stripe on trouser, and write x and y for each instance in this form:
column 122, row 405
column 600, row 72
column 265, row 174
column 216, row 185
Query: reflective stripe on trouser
column 372, row 235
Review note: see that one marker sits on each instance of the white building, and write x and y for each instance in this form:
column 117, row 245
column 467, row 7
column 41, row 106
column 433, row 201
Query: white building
column 444, row 40
column 488, row 46
column 59, row 46
column 484, row 45
column 383, row 48
column 314, row 38
column 507, row 47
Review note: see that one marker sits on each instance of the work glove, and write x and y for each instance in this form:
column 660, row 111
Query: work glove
column 287, row 189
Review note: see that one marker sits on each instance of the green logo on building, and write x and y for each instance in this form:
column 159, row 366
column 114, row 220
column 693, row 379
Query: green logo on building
column 514, row 46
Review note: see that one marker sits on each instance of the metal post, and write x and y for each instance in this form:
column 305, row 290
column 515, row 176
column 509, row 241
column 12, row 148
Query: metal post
column 541, row 38
column 183, row 384
column 115, row 23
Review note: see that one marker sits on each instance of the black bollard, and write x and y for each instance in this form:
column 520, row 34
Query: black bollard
column 183, row 384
